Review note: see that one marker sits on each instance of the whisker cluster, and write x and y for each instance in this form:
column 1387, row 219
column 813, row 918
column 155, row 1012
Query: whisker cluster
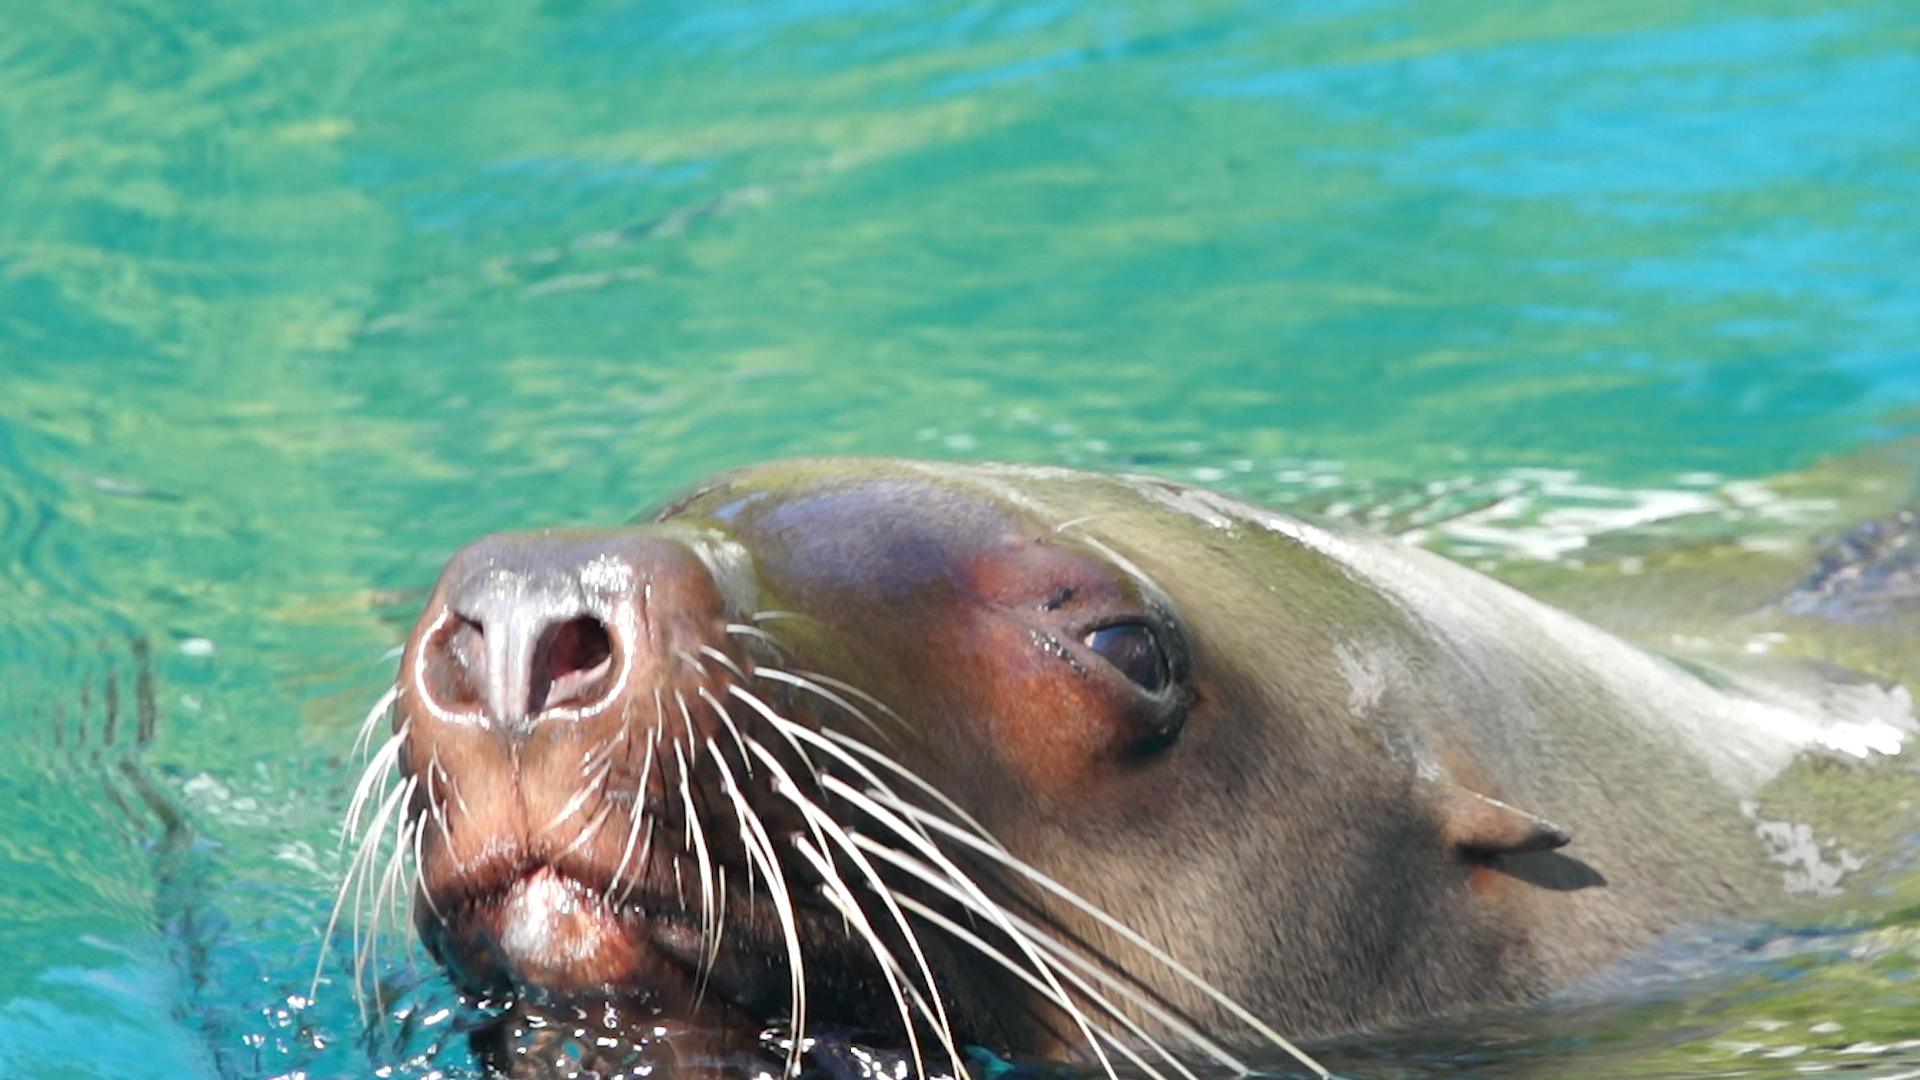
column 376, row 872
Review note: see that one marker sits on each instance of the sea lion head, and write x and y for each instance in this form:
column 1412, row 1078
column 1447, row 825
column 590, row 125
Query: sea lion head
column 1031, row 759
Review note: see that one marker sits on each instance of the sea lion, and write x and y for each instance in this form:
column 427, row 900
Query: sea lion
column 1048, row 762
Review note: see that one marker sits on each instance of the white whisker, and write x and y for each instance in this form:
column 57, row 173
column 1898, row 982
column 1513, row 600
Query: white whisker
column 1046, row 882
column 638, row 812
column 366, row 948
column 1096, row 1033
column 709, row 918
column 1143, row 1001
column 854, row 691
column 354, row 881
column 855, row 746
column 435, row 805
column 1035, row 935
column 780, row 724
column 744, row 630
column 753, row 837
column 420, row 870
column 733, row 729
column 364, row 737
column 776, row 675
column 842, row 899
column 821, row 821
column 373, row 776
column 723, row 660
column 580, row 796
column 587, row 834
column 989, row 908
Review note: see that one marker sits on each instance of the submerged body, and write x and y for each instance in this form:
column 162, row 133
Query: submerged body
column 1057, row 764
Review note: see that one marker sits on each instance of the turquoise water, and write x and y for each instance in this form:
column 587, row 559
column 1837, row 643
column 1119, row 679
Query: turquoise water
column 292, row 302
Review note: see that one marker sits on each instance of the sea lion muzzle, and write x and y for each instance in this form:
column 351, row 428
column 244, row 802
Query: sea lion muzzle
column 556, row 707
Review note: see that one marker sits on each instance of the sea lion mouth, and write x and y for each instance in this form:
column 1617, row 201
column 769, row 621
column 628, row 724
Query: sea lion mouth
column 549, row 934
column 546, row 917
column 540, row 929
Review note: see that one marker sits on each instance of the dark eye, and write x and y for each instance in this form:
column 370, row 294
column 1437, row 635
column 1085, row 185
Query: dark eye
column 1133, row 648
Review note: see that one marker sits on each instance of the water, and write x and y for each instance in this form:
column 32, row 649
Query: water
column 293, row 300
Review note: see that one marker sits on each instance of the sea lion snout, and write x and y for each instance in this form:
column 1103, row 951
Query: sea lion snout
column 531, row 627
column 556, row 694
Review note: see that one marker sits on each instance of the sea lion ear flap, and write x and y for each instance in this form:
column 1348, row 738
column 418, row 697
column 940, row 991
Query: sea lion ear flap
column 1478, row 826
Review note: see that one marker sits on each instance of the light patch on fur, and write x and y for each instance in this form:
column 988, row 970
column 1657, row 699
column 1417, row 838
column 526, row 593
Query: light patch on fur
column 1198, row 503
column 606, row 574
column 547, row 923
column 1371, row 673
column 730, row 566
column 1366, row 678
column 1813, row 869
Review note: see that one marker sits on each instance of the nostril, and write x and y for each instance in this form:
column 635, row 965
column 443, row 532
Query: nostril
column 454, row 665
column 571, row 664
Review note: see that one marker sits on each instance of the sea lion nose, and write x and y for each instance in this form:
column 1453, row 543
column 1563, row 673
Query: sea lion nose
column 535, row 657
column 520, row 637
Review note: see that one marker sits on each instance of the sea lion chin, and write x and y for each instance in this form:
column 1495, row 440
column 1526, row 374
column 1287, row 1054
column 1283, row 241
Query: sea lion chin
column 1045, row 762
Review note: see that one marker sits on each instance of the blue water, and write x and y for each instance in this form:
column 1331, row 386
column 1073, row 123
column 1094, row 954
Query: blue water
column 295, row 299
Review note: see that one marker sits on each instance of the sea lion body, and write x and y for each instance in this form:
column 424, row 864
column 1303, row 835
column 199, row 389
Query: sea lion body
column 1332, row 776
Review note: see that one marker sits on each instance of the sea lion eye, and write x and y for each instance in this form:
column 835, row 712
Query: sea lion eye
column 1135, row 650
